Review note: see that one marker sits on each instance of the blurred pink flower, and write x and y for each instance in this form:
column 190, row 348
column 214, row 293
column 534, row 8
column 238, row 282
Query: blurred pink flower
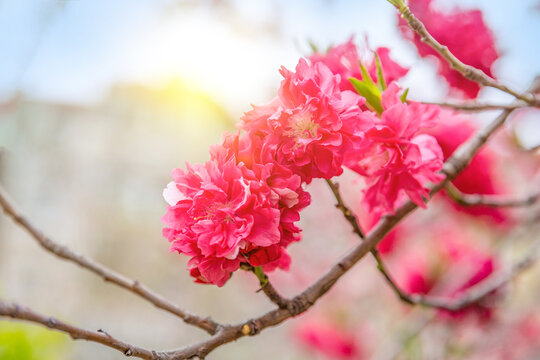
column 480, row 177
column 448, row 268
column 451, row 30
column 329, row 340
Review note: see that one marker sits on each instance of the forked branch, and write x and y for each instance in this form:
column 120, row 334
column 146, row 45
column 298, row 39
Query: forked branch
column 489, row 200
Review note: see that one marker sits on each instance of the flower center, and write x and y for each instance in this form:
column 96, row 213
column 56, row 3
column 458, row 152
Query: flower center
column 302, row 126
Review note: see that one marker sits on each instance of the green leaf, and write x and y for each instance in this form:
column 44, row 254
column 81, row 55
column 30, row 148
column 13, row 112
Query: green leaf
column 404, row 95
column 370, row 92
column 380, row 75
column 365, row 75
column 313, row 47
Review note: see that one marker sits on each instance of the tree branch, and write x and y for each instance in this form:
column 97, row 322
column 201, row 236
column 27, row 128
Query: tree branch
column 471, row 297
column 19, row 312
column 467, row 71
column 488, row 200
column 101, row 270
column 477, row 106
column 347, row 213
column 266, row 286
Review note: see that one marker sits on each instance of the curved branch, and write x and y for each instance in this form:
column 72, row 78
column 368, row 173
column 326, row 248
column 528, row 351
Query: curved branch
column 349, row 216
column 489, row 200
column 266, row 286
column 101, row 270
column 347, row 213
column 19, row 312
column 467, row 71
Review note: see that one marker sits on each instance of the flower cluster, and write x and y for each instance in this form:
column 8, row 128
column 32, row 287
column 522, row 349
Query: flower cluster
column 478, row 51
column 241, row 206
column 227, row 212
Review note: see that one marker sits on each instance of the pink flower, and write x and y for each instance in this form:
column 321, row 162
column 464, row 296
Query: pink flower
column 448, row 266
column 312, row 123
column 343, row 60
column 397, row 159
column 221, row 212
column 450, row 29
column 329, row 340
column 480, row 177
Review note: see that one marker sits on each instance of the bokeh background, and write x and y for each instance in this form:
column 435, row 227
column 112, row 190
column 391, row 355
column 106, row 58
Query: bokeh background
column 99, row 100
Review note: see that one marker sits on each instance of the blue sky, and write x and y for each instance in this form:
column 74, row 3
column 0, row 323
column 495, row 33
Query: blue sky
column 74, row 50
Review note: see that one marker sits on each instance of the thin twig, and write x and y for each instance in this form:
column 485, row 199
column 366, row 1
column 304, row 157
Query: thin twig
column 473, row 107
column 347, row 213
column 20, row 312
column 467, row 71
column 489, row 200
column 266, row 286
column 307, row 298
column 349, row 216
column 397, row 290
column 101, row 270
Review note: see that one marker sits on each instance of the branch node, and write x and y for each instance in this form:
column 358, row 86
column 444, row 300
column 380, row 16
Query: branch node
column 51, row 322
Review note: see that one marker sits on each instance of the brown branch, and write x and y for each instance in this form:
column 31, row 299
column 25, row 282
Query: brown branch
column 347, row 213
column 476, row 106
column 489, row 200
column 266, row 286
column 19, row 312
column 101, row 270
column 467, row 71
column 411, row 299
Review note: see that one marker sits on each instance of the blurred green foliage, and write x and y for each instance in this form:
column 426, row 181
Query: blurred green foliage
column 30, row 342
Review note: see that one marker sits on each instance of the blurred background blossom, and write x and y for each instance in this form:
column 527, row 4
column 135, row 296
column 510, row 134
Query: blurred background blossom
column 99, row 100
